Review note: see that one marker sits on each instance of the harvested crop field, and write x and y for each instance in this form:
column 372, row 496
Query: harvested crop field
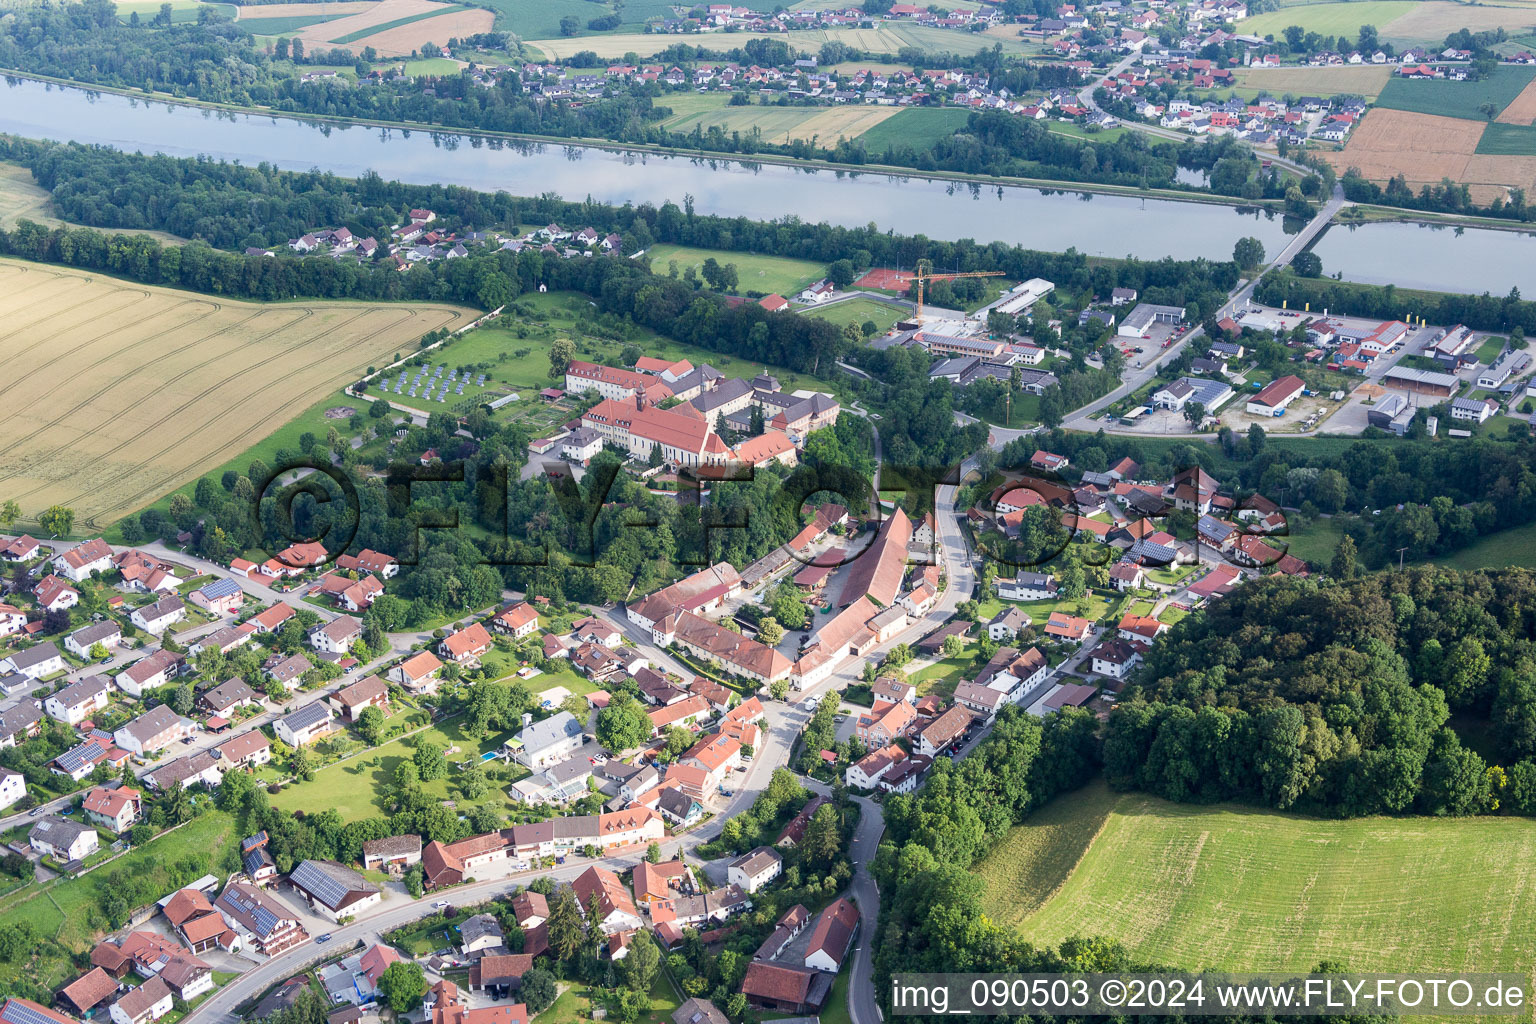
column 842, row 123
column 407, row 38
column 263, row 11
column 397, row 27
column 1422, row 147
column 144, row 388
column 1433, row 20
column 1521, row 109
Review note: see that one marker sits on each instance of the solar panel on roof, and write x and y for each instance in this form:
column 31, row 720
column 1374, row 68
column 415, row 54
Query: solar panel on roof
column 266, row 921
column 317, row 883
column 17, row 1013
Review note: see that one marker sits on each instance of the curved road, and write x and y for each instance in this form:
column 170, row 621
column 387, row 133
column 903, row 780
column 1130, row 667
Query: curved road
column 782, row 724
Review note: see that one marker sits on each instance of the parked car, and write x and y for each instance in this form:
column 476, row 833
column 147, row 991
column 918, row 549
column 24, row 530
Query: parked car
column 324, row 938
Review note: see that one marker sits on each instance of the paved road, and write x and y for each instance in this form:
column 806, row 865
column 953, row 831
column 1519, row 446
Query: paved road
column 1133, row 379
column 1085, row 98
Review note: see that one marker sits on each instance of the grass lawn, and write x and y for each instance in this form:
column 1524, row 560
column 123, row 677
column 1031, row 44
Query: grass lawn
column 1092, row 606
column 686, row 104
column 1315, row 541
column 352, row 787
column 1489, row 350
column 65, row 908
column 918, row 127
column 1327, row 18
column 1231, row 887
column 836, row 1010
column 1456, row 99
column 1503, row 549
column 1077, row 131
column 945, row 674
column 181, row 10
column 433, row 66
column 857, row 311
column 755, row 272
column 1038, row 856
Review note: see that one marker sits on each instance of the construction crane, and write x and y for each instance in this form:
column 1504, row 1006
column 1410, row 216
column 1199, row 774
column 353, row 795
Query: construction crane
column 925, row 273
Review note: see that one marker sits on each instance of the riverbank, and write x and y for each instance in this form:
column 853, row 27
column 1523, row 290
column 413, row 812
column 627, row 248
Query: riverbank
column 748, row 161
column 1374, row 214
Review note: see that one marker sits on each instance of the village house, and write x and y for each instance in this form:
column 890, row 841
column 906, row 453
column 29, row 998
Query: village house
column 113, row 808
column 350, row 701
column 63, row 840
column 306, row 725
column 160, row 615
column 79, row 562
column 418, row 673
column 79, row 700
column 755, row 869
column 34, row 662
column 220, row 597
column 79, row 643
column 336, row 636
column 465, row 646
column 154, row 730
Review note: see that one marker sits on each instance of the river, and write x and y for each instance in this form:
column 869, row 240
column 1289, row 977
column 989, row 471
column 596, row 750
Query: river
column 1471, row 260
column 1106, row 225
column 1436, row 257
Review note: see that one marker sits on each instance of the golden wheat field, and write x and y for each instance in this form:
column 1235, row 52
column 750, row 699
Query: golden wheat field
column 117, row 393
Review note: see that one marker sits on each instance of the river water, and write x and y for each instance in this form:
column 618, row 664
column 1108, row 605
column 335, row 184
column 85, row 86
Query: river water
column 1101, row 225
column 1435, row 257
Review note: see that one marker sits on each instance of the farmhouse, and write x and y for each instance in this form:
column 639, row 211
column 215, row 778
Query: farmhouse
column 333, row 890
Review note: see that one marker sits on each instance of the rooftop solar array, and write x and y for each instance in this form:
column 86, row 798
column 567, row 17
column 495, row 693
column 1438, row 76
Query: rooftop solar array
column 314, row 880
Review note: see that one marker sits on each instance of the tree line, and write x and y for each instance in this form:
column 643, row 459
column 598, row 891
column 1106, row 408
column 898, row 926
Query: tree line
column 1335, row 697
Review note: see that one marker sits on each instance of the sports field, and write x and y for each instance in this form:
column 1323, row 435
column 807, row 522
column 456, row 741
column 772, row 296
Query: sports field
column 857, row 311
column 754, row 272
column 145, row 388
column 1235, row 887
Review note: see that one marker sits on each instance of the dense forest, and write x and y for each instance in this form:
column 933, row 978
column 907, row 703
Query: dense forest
column 1335, row 697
